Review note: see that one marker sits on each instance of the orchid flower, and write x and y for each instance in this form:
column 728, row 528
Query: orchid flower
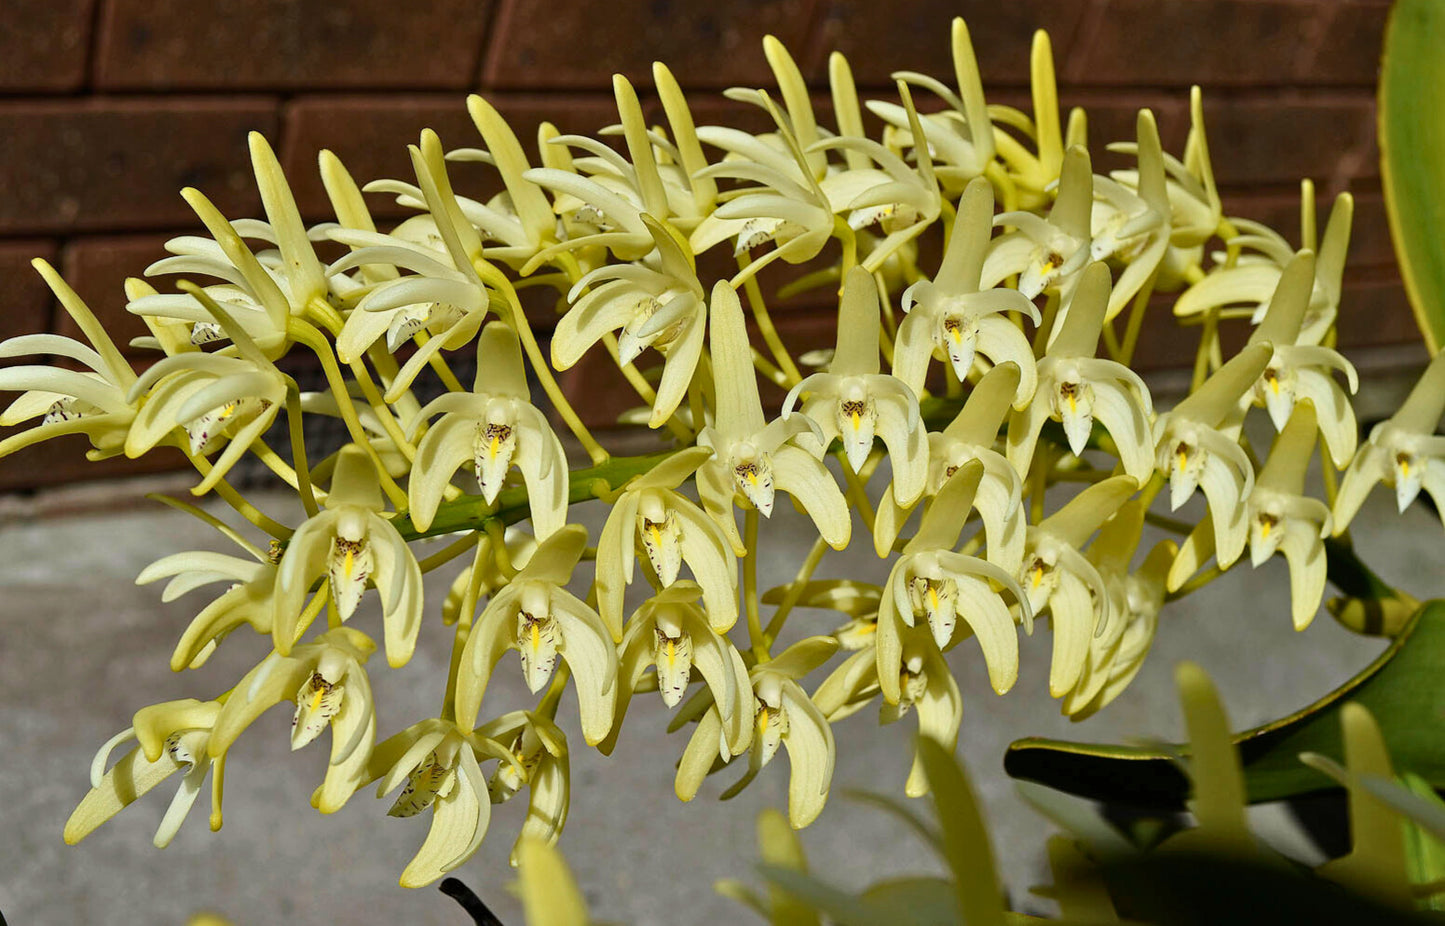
column 446, row 294
column 902, row 200
column 93, row 402
column 1250, row 282
column 535, row 615
column 170, row 737
column 328, row 684
column 216, row 398
column 657, row 304
column 673, row 530
column 752, row 458
column 1059, row 580
column 960, row 137
column 924, row 683
column 620, row 193
column 1403, row 452
column 948, row 316
column 1133, row 224
column 438, row 762
column 788, row 207
column 1047, row 254
column 1304, row 371
column 786, row 716
column 971, row 436
column 495, row 427
column 1135, row 599
column 1075, row 388
column 933, row 581
column 536, row 758
column 1282, row 519
column 246, row 601
column 351, row 544
column 671, row 633
column 854, row 401
column 1195, row 450
column 261, row 291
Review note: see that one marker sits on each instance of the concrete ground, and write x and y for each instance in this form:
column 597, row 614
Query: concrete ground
column 82, row 647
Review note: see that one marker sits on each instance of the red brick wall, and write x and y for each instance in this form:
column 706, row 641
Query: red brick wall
column 109, row 107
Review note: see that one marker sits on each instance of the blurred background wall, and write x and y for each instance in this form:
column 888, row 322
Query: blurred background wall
column 109, row 107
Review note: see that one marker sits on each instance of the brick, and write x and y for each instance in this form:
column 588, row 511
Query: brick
column 371, row 134
column 44, row 44
column 1281, row 139
column 1183, row 42
column 282, row 44
column 104, row 164
column 27, row 298
column 713, row 45
column 879, row 38
column 1348, row 52
column 1374, row 311
column 97, row 267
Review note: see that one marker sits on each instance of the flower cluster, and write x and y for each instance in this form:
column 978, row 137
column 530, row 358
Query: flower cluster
column 1008, row 373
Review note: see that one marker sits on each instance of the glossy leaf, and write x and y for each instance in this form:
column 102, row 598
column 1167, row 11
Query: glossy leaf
column 1412, row 150
column 1400, row 688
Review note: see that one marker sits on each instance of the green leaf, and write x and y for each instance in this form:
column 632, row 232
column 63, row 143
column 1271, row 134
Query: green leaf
column 1412, row 155
column 1400, row 688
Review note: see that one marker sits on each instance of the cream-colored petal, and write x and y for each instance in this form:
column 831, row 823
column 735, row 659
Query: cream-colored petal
column 811, row 755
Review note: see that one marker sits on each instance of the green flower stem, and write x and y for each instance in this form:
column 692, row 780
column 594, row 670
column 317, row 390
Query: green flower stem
column 643, row 388
column 440, row 366
column 768, row 369
column 272, row 461
column 298, row 450
column 1196, row 583
column 307, row 335
column 1208, row 336
column 383, row 411
column 497, row 532
column 233, row 498
column 1350, row 575
column 1174, row 525
column 856, row 492
column 849, row 240
column 750, row 586
column 795, row 591
column 496, row 279
column 1137, row 311
column 464, row 629
column 1046, row 324
column 448, row 553
column 765, row 325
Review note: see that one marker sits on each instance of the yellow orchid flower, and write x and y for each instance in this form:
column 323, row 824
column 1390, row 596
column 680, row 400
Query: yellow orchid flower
column 535, row 615
column 669, row 632
column 328, row 684
column 949, row 316
column 672, row 530
column 1403, row 452
column 351, row 544
column 751, row 458
column 171, row 737
column 854, row 401
column 496, row 427
column 786, row 716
